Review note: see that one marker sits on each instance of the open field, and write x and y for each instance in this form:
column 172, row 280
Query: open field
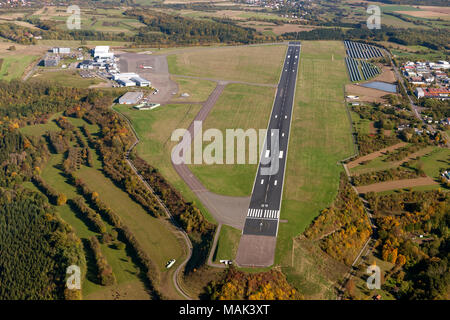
column 436, row 162
column 397, row 184
column 239, row 107
column 155, row 128
column 375, row 155
column 198, row 90
column 260, row 64
column 67, row 78
column 153, row 234
column 123, row 267
column 320, row 137
column 380, row 163
column 14, row 66
column 313, row 272
column 227, row 244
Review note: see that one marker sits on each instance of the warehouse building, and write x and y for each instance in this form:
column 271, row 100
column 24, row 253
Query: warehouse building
column 131, row 97
column 57, row 50
column 141, row 82
column 51, row 61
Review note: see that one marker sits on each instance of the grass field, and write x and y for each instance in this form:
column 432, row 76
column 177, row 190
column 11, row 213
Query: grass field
column 13, row 66
column 380, row 163
column 155, row 128
column 198, row 90
column 320, row 137
column 241, row 107
column 227, row 244
column 152, row 234
column 436, row 162
column 67, row 79
column 260, row 64
column 125, row 270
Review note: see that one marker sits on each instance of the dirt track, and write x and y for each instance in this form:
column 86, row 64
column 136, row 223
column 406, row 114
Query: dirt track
column 398, row 184
column 374, row 155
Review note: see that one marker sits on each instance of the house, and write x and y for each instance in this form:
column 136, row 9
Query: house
column 132, row 97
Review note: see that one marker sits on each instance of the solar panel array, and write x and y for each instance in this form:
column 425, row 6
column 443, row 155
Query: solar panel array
column 357, row 67
column 369, row 70
column 361, row 50
column 353, row 70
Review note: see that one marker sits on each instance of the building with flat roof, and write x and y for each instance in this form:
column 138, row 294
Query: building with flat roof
column 58, row 50
column 126, row 83
column 141, row 82
column 102, row 53
column 51, row 61
column 132, row 97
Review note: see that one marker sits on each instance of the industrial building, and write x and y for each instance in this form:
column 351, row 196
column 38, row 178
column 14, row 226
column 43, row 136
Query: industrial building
column 126, row 82
column 102, row 53
column 51, row 61
column 129, row 77
column 141, row 82
column 131, row 97
column 57, row 50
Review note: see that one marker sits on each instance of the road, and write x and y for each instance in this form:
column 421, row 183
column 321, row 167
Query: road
column 258, row 240
column 264, row 211
column 176, row 274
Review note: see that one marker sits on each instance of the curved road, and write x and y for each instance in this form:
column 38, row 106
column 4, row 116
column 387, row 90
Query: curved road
column 176, row 274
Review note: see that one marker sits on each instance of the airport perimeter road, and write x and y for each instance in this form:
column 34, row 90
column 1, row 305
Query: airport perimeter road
column 261, row 224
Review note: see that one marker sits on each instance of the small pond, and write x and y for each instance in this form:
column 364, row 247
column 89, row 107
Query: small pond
column 381, row 86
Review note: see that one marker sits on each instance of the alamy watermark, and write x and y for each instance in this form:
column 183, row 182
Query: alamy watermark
column 74, row 280
column 234, row 143
column 374, row 279
column 74, row 20
column 374, row 20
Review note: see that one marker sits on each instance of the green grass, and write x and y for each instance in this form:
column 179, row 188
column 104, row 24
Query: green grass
column 260, row 64
column 40, row 129
column 68, row 79
column 125, row 270
column 320, row 137
column 198, row 90
column 227, row 244
column 361, row 125
column 239, row 107
column 14, row 66
column 155, row 128
column 436, row 162
column 380, row 163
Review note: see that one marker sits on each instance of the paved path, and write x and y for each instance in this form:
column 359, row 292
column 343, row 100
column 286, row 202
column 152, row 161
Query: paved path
column 226, row 210
column 228, row 81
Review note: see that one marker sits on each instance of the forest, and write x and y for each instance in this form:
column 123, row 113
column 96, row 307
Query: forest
column 414, row 236
column 342, row 228
column 238, row 285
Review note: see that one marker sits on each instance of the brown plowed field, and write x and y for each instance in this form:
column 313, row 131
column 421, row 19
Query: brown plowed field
column 398, row 184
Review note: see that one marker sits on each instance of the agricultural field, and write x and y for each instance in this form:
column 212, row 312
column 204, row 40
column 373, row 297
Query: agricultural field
column 240, row 107
column 13, row 66
column 320, row 137
column 260, row 64
column 95, row 19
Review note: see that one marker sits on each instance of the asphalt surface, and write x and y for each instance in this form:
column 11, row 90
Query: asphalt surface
column 264, row 211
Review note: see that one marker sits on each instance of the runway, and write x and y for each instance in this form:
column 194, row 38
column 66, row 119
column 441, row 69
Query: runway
column 263, row 215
